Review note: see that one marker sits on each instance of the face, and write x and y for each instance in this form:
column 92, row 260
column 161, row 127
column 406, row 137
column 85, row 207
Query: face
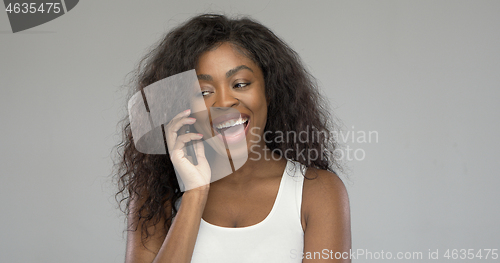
column 232, row 88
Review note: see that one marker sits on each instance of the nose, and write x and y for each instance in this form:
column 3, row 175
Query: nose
column 225, row 98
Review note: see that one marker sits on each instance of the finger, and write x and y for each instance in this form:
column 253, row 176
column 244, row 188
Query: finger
column 182, row 114
column 172, row 132
column 183, row 139
column 170, row 138
column 181, row 122
column 168, row 126
column 177, row 118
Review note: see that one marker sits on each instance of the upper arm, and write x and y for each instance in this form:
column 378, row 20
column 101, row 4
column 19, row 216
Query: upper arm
column 326, row 211
column 141, row 250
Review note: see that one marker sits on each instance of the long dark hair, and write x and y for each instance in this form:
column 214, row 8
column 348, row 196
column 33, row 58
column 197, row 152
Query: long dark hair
column 295, row 105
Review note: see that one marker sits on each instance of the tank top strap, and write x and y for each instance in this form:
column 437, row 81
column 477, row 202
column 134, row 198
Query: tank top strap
column 289, row 206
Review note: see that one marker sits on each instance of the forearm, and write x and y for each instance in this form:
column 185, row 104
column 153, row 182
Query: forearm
column 179, row 243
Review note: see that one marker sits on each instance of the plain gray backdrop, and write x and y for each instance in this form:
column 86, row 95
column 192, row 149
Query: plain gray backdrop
column 423, row 74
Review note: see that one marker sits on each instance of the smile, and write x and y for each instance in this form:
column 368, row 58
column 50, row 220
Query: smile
column 231, row 123
column 231, row 127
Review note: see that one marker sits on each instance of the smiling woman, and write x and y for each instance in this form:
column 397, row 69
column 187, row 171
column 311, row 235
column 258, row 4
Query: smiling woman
column 229, row 79
column 252, row 84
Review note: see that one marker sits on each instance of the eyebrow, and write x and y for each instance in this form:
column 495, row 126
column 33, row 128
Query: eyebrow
column 236, row 69
column 229, row 73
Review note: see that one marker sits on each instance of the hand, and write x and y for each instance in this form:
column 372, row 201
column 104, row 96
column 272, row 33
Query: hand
column 190, row 176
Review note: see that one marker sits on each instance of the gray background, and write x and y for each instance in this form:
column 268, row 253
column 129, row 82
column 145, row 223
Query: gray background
column 423, row 74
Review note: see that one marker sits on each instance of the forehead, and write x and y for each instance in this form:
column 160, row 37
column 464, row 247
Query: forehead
column 222, row 58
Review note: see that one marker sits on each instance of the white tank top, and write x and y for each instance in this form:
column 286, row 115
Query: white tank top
column 278, row 238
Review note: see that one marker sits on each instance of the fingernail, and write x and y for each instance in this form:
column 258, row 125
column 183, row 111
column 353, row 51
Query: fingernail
column 187, row 111
column 200, row 135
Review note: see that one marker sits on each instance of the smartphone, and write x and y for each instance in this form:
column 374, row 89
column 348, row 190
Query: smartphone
column 190, row 148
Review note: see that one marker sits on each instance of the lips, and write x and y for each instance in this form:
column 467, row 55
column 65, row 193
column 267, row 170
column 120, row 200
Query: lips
column 233, row 126
column 227, row 122
column 231, row 123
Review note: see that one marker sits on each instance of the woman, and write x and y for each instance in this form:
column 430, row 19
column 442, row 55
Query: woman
column 264, row 210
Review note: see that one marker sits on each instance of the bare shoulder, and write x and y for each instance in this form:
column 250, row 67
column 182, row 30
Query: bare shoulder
column 325, row 214
column 323, row 193
column 323, row 184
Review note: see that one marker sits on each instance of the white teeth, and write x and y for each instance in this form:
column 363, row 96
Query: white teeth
column 231, row 123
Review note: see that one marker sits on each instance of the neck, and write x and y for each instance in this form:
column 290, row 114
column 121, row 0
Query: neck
column 260, row 163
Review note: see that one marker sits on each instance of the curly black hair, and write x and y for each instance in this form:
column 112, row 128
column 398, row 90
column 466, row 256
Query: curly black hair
column 295, row 105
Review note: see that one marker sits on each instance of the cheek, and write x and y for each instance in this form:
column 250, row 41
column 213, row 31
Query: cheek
column 197, row 104
column 263, row 109
column 259, row 104
column 198, row 128
column 259, row 109
column 263, row 104
column 202, row 124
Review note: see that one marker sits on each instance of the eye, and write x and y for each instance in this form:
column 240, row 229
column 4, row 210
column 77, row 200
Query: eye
column 241, row 85
column 205, row 93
